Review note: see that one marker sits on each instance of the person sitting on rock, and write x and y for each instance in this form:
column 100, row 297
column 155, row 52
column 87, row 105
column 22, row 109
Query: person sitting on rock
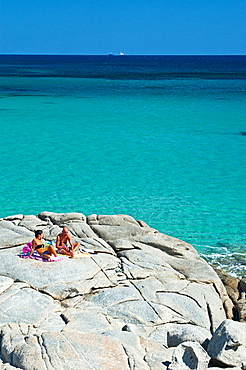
column 38, row 246
column 62, row 241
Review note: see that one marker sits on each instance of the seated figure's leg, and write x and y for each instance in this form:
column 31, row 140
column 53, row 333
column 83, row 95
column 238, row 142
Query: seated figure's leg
column 43, row 252
column 45, row 255
column 66, row 250
column 52, row 250
column 75, row 246
column 63, row 251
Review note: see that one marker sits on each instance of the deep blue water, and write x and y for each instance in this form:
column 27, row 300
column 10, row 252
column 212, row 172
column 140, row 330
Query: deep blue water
column 157, row 137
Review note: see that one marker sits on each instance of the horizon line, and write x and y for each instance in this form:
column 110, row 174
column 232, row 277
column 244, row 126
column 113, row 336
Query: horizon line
column 109, row 54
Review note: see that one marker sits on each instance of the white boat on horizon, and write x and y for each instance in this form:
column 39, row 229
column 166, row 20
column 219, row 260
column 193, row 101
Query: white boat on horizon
column 120, row 53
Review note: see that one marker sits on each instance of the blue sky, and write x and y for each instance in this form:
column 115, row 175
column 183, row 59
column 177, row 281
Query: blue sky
column 180, row 27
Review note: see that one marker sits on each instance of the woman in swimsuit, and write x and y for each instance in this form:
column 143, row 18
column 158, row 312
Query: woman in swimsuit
column 38, row 245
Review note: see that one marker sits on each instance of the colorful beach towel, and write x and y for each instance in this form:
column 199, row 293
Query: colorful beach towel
column 36, row 256
column 81, row 255
column 77, row 254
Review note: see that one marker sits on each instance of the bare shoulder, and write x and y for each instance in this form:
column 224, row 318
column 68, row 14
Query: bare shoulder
column 34, row 241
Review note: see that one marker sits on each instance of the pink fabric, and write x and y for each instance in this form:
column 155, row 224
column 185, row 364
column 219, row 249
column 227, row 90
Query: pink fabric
column 27, row 248
column 36, row 256
column 55, row 258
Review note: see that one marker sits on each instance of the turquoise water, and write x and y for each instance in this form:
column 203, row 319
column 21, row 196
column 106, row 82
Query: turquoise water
column 168, row 151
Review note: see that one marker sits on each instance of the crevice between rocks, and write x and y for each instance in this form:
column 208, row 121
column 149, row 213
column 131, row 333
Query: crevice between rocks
column 177, row 313
column 157, row 314
column 112, row 282
column 128, row 358
column 231, row 313
column 188, row 321
column 40, row 290
column 182, row 294
column 64, row 318
column 146, row 269
column 44, row 354
column 84, row 296
column 138, row 278
column 99, row 241
column 90, row 292
column 12, row 246
column 210, row 318
column 8, row 297
column 95, row 232
column 1, row 341
column 6, row 290
column 79, row 355
column 106, row 318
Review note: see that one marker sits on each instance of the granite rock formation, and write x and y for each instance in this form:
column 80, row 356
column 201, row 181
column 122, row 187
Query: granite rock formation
column 236, row 290
column 143, row 301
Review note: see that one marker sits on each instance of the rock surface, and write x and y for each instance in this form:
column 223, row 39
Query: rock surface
column 137, row 303
column 228, row 344
column 236, row 290
column 189, row 355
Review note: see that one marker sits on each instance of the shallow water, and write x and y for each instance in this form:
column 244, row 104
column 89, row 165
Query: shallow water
column 158, row 138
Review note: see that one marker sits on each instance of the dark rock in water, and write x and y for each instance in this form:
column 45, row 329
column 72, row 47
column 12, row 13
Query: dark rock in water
column 239, row 258
column 234, row 248
column 231, row 284
column 241, row 306
column 223, row 245
column 242, row 285
column 236, row 290
column 243, row 133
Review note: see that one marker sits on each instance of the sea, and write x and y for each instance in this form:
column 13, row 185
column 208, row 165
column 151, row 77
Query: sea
column 160, row 138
